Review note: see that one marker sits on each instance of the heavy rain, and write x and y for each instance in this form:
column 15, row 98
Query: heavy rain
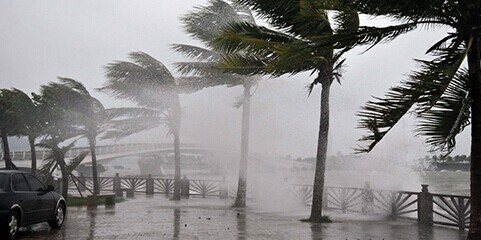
column 242, row 119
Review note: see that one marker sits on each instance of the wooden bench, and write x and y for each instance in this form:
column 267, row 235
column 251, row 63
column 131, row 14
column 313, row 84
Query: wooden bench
column 109, row 199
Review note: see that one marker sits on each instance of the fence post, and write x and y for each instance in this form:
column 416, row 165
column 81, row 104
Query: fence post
column 185, row 187
column 116, row 186
column 149, row 185
column 462, row 222
column 224, row 191
column 81, row 185
column 425, row 206
column 367, row 197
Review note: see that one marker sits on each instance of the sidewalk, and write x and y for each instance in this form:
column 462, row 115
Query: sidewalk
column 159, row 218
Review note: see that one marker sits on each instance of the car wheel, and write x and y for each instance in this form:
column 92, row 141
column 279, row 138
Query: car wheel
column 59, row 218
column 13, row 223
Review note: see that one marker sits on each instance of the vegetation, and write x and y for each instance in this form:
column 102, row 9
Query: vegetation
column 290, row 47
column 205, row 24
column 444, row 95
column 149, row 84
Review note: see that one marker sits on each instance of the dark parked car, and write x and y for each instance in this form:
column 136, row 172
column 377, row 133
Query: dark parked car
column 25, row 200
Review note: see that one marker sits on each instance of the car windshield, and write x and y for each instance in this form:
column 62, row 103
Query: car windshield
column 3, row 181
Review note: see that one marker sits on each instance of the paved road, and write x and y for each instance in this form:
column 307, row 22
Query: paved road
column 158, row 218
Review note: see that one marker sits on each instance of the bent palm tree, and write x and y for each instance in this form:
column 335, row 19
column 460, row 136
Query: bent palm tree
column 90, row 116
column 11, row 120
column 60, row 125
column 443, row 95
column 29, row 122
column 205, row 24
column 289, row 49
column 149, row 84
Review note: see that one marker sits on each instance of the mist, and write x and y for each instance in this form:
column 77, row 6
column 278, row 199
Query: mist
column 45, row 39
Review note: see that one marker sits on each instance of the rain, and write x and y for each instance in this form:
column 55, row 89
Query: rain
column 170, row 120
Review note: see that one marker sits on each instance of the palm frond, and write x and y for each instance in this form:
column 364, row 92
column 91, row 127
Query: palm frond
column 132, row 112
column 193, row 83
column 196, row 53
column 75, row 162
column 247, row 37
column 449, row 116
column 297, row 17
column 206, row 22
column 145, row 81
column 121, row 128
column 424, row 89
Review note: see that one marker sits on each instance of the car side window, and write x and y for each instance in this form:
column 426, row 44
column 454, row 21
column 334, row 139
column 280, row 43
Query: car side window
column 34, row 183
column 3, row 182
column 19, row 183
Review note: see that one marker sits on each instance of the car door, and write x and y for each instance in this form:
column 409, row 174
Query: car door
column 26, row 199
column 45, row 200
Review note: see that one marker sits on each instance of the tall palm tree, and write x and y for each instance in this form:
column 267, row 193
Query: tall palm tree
column 149, row 84
column 445, row 96
column 289, row 48
column 204, row 24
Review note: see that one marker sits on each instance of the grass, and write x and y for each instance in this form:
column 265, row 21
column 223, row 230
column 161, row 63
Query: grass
column 73, row 201
column 324, row 219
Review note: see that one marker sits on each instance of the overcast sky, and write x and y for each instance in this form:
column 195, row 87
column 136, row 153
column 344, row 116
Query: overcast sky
column 40, row 40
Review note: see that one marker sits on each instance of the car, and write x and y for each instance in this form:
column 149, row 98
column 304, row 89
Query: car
column 25, row 200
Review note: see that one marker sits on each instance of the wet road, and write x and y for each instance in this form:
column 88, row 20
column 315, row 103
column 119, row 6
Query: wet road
column 158, row 218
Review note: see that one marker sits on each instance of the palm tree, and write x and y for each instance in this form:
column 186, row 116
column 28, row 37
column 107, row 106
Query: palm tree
column 29, row 122
column 445, row 96
column 60, row 126
column 149, row 84
column 10, row 120
column 289, row 49
column 91, row 116
column 204, row 25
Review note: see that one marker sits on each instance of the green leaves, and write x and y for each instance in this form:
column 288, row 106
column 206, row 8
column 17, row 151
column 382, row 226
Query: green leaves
column 204, row 70
column 432, row 93
column 145, row 81
column 449, row 116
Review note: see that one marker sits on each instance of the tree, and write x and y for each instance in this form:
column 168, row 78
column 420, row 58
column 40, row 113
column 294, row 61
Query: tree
column 28, row 122
column 10, row 120
column 60, row 126
column 204, row 25
column 445, row 96
column 290, row 48
column 91, row 118
column 148, row 83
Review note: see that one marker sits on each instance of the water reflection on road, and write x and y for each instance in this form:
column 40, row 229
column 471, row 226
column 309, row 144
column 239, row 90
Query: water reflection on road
column 158, row 218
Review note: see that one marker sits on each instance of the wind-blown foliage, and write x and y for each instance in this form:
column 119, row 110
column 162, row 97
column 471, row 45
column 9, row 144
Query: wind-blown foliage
column 298, row 41
column 148, row 83
column 91, row 118
column 442, row 94
column 203, row 71
column 421, row 92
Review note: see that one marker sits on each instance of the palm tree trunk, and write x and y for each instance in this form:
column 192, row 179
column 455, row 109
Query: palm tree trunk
column 33, row 154
column 316, row 209
column 176, row 133
column 59, row 157
column 242, row 183
column 475, row 81
column 6, row 152
column 95, row 177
